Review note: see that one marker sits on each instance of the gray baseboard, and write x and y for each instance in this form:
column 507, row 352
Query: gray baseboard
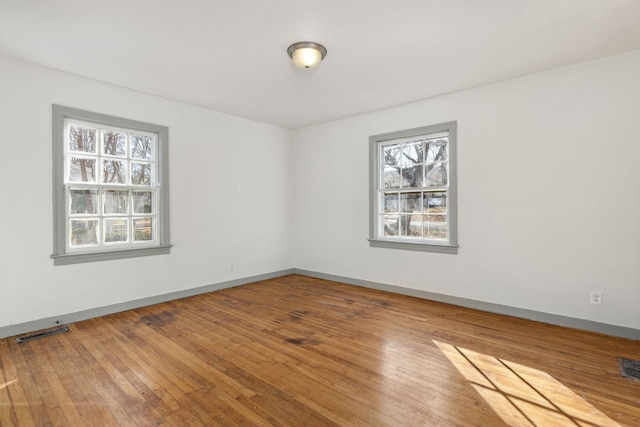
column 553, row 319
column 63, row 319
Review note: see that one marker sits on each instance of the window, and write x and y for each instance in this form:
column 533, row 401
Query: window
column 110, row 187
column 413, row 189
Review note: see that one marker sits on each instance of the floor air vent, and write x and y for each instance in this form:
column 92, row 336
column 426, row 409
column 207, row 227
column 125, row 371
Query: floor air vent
column 42, row 334
column 629, row 368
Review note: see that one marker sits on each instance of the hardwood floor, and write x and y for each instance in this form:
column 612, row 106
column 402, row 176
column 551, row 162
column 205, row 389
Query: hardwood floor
column 297, row 351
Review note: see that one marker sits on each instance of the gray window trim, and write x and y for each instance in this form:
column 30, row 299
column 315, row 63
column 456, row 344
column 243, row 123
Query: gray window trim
column 59, row 255
column 448, row 248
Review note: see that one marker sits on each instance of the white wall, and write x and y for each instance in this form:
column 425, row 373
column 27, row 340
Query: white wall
column 230, row 198
column 548, row 184
column 549, row 206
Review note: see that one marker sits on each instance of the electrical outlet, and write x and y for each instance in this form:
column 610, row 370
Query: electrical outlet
column 231, row 267
column 596, row 298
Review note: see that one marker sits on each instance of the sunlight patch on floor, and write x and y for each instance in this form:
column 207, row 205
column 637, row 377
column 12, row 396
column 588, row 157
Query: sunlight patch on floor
column 521, row 395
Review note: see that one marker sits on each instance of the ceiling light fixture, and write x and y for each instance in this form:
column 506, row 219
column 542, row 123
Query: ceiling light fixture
column 307, row 54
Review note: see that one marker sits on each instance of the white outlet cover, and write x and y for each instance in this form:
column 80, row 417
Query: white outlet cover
column 596, row 298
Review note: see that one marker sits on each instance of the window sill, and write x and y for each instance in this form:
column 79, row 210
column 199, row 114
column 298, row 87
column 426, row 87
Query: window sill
column 424, row 247
column 77, row 258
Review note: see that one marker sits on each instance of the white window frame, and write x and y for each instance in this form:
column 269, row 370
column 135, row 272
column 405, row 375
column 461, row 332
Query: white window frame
column 376, row 180
column 63, row 252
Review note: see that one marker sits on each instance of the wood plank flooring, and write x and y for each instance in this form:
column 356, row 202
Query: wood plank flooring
column 297, row 351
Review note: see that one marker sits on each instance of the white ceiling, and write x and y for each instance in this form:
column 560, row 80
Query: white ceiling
column 230, row 55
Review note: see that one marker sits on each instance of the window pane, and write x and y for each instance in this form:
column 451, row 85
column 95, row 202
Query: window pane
column 415, row 226
column 142, row 202
column 435, row 203
column 116, row 202
column 83, row 202
column 114, row 171
column 391, row 225
column 435, row 227
column 84, row 232
column 114, row 143
column 412, row 154
column 140, row 173
column 437, row 150
column 411, row 225
column 412, row 176
column 81, row 170
column 391, row 154
column 411, row 202
column 141, row 147
column 116, row 230
column 142, row 229
column 82, row 139
column 436, row 175
column 390, row 202
column 391, row 177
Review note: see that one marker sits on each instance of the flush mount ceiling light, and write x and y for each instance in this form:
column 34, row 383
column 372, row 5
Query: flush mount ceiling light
column 306, row 54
